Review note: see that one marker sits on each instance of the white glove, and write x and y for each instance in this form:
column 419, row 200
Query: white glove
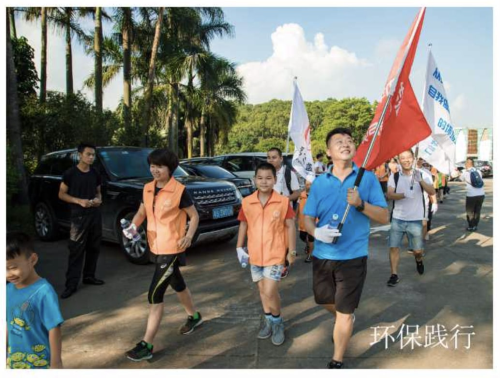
column 409, row 193
column 242, row 255
column 434, row 208
column 130, row 231
column 326, row 234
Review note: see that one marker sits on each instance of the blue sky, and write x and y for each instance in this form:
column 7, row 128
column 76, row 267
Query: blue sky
column 335, row 52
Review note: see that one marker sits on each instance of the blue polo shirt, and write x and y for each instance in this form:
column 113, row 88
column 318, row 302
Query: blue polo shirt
column 328, row 196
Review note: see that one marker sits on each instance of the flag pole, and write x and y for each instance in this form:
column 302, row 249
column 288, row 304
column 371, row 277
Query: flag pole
column 362, row 169
column 288, row 132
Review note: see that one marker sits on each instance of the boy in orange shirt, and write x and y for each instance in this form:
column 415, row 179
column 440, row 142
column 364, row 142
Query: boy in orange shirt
column 166, row 205
column 267, row 220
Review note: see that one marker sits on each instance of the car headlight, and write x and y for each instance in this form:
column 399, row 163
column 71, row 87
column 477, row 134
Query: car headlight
column 238, row 193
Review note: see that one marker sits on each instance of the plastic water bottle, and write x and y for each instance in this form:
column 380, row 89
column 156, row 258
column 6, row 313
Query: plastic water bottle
column 334, row 222
column 244, row 260
column 126, row 224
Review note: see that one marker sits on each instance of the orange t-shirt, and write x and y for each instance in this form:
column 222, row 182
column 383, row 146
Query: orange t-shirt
column 381, row 171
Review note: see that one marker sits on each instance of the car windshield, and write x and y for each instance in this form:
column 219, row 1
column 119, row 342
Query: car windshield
column 130, row 163
column 214, row 171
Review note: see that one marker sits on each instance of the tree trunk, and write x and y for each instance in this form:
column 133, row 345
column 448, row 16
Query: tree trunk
column 43, row 66
column 13, row 123
column 175, row 122
column 12, row 20
column 98, row 60
column 127, row 86
column 151, row 77
column 202, row 135
column 69, row 58
column 188, row 122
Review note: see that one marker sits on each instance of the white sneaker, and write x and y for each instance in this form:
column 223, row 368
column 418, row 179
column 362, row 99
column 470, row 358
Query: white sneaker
column 426, row 237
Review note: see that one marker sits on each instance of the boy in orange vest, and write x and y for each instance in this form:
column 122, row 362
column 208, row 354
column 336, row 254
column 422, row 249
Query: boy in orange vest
column 267, row 220
column 166, row 205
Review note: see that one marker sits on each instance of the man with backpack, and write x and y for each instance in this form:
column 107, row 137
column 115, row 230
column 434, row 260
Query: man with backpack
column 475, row 194
column 406, row 188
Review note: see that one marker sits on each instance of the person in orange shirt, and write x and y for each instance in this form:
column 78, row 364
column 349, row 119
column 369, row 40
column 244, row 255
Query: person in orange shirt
column 304, row 236
column 166, row 205
column 267, row 220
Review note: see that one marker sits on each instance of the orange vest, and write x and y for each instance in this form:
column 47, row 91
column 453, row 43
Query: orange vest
column 267, row 232
column 166, row 223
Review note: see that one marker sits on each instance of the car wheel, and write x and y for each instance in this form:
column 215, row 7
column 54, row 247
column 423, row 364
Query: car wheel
column 45, row 223
column 136, row 252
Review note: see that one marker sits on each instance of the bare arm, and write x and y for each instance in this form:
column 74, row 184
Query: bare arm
column 194, row 219
column 139, row 216
column 429, row 188
column 55, row 348
column 310, row 224
column 376, row 213
column 242, row 233
column 64, row 196
column 392, row 195
column 292, row 240
column 295, row 194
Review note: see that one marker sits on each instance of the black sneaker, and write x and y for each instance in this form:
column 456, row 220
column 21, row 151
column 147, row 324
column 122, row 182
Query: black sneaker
column 308, row 258
column 335, row 365
column 191, row 324
column 474, row 228
column 420, row 267
column 393, row 280
column 68, row 292
column 470, row 228
column 140, row 352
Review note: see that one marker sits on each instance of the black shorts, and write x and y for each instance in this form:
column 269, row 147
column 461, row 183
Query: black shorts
column 305, row 236
column 166, row 273
column 339, row 282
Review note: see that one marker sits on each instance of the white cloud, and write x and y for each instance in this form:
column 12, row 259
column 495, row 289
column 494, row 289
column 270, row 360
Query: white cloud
column 322, row 71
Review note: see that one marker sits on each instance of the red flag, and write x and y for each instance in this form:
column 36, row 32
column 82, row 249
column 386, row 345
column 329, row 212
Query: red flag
column 404, row 124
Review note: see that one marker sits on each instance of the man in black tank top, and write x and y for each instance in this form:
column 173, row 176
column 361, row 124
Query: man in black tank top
column 81, row 188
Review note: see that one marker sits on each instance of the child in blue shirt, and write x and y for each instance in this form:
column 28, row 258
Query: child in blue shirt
column 33, row 316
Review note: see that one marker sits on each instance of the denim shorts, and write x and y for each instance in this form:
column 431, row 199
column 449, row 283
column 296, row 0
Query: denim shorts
column 272, row 272
column 412, row 228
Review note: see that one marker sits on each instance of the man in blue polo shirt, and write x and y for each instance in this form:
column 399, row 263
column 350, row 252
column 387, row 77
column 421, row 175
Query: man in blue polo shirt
column 339, row 270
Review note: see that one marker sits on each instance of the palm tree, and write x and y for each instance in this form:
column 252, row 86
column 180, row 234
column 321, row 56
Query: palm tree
column 13, row 122
column 127, row 66
column 43, row 66
column 221, row 90
column 98, row 60
column 151, row 76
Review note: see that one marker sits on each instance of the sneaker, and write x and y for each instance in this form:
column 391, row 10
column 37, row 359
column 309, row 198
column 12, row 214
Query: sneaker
column 410, row 251
column 470, row 228
column 278, row 336
column 265, row 330
column 427, row 237
column 335, row 365
column 393, row 280
column 420, row 267
column 474, row 228
column 191, row 324
column 308, row 258
column 140, row 352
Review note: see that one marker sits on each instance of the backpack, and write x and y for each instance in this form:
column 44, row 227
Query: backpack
column 288, row 179
column 475, row 179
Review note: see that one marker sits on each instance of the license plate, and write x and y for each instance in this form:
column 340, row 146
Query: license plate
column 222, row 212
column 245, row 191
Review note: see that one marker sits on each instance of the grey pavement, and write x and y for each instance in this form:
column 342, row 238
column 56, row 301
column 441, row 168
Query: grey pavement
column 455, row 291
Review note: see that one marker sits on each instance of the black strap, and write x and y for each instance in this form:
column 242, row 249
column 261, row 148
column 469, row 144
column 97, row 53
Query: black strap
column 288, row 179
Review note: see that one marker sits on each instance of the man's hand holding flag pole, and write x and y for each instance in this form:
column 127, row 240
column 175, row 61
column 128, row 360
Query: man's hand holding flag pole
column 398, row 123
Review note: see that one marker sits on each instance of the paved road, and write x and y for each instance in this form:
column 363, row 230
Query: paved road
column 456, row 290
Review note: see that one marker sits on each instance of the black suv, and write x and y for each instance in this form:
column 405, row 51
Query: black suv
column 124, row 171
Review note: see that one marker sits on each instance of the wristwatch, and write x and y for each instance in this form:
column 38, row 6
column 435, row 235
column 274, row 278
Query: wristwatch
column 361, row 207
column 293, row 253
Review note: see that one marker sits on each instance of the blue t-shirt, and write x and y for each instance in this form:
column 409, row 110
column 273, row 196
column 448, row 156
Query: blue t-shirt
column 31, row 313
column 328, row 196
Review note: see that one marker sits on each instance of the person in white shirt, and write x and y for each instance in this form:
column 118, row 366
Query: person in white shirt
column 319, row 167
column 474, row 197
column 287, row 183
column 431, row 206
column 406, row 189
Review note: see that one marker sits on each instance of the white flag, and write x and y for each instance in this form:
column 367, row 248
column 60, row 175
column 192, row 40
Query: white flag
column 439, row 148
column 300, row 132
